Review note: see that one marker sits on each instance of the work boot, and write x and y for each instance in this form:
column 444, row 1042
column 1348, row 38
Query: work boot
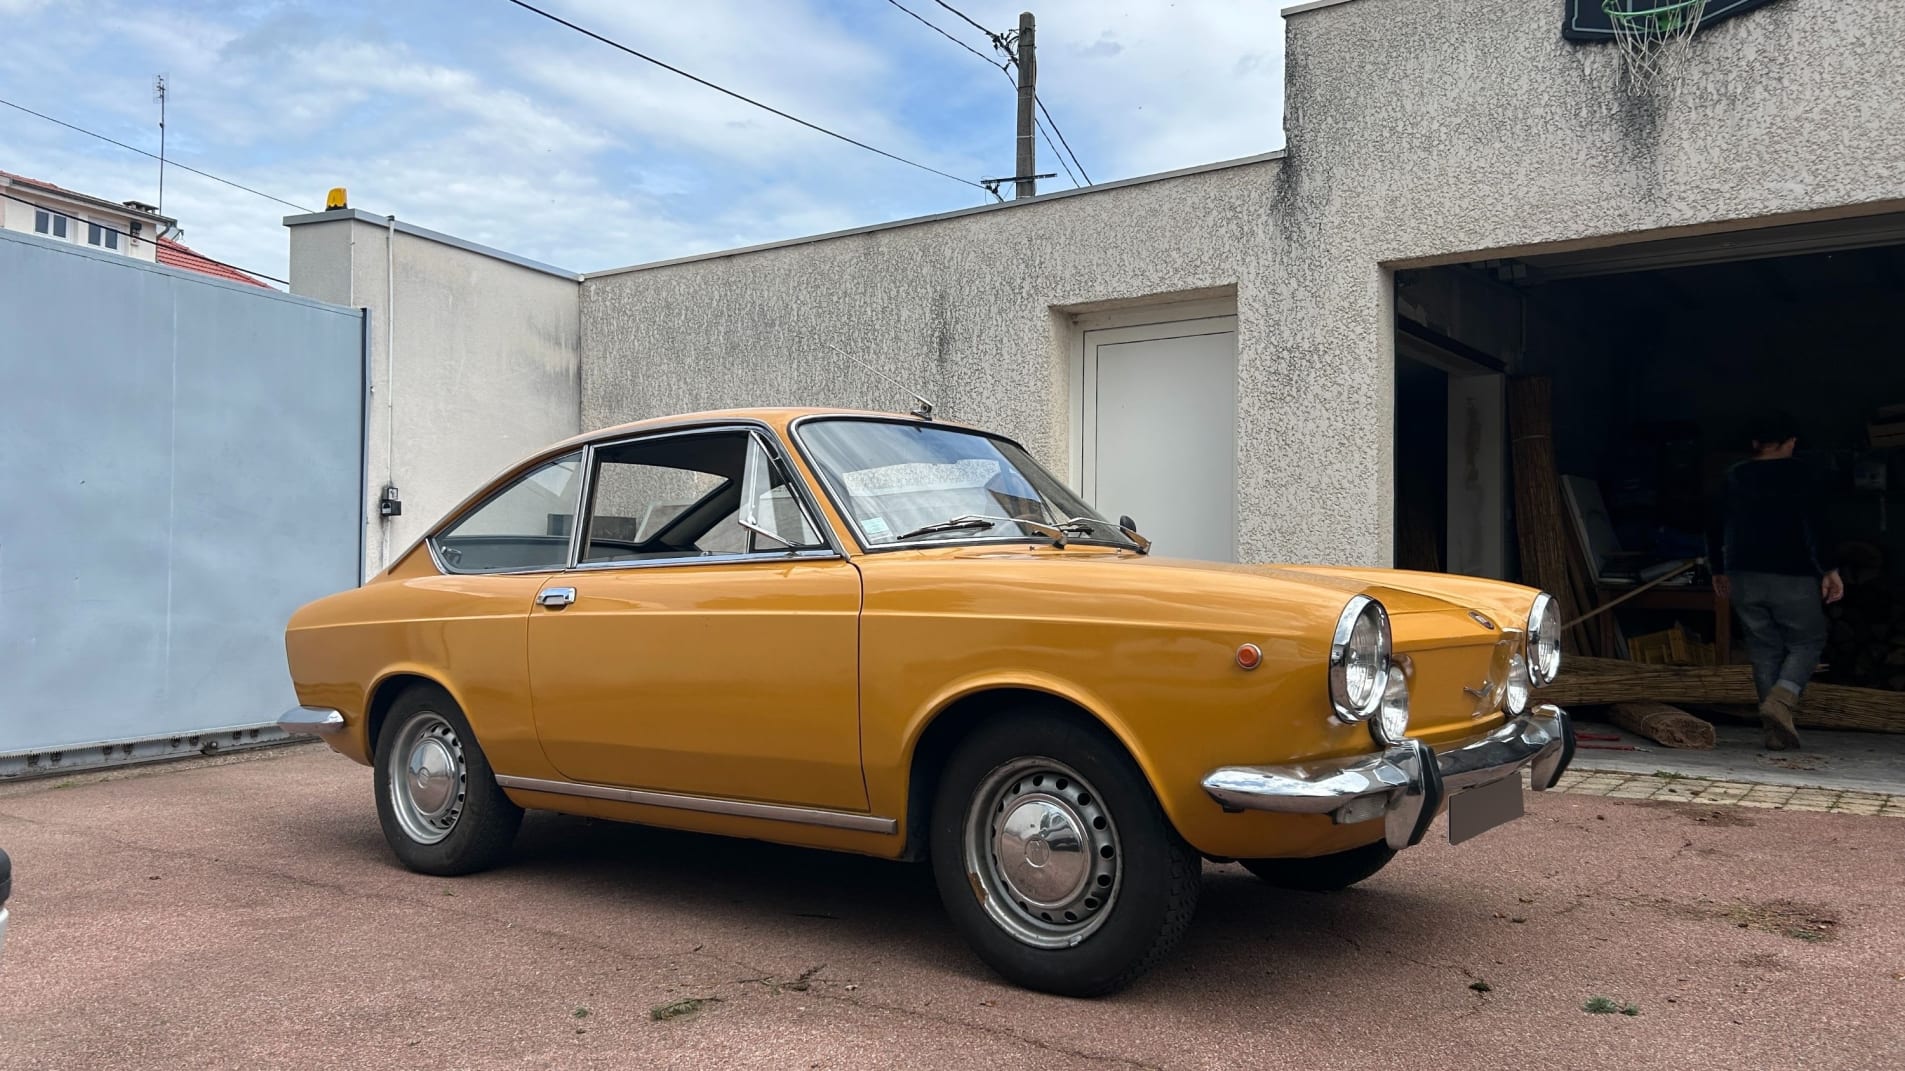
column 1776, row 716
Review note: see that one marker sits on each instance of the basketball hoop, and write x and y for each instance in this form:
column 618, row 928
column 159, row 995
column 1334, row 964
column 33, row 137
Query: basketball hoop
column 1654, row 36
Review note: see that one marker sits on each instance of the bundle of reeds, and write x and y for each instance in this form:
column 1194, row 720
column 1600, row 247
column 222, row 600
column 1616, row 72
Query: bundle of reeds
column 1542, row 527
column 1601, row 681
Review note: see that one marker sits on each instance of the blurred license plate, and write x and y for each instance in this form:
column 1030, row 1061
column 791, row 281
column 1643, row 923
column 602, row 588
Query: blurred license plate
column 1481, row 809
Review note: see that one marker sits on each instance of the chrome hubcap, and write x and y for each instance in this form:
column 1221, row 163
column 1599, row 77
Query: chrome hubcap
column 1044, row 852
column 431, row 781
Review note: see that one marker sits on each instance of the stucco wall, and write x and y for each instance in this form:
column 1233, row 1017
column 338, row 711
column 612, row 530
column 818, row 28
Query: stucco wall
column 1418, row 132
column 1421, row 131
column 1421, row 128
column 970, row 309
column 487, row 358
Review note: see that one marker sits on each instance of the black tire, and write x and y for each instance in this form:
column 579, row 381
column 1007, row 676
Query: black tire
column 483, row 824
column 1324, row 873
column 1148, row 903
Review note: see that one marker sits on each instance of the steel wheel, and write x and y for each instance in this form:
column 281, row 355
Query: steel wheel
column 1040, row 842
column 429, row 778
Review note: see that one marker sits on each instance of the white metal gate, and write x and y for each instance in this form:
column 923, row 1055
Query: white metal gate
column 180, row 468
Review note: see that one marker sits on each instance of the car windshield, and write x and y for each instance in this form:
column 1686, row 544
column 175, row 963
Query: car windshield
column 901, row 484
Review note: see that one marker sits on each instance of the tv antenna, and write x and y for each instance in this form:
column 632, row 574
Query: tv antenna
column 924, row 410
column 158, row 94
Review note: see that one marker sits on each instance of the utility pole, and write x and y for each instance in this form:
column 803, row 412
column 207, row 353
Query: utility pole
column 158, row 94
column 1026, row 170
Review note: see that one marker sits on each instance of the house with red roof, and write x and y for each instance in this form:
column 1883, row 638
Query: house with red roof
column 127, row 228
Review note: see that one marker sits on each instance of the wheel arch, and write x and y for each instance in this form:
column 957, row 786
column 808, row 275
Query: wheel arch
column 383, row 695
column 952, row 720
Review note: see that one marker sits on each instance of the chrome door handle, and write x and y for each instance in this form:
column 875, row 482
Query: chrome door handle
column 555, row 598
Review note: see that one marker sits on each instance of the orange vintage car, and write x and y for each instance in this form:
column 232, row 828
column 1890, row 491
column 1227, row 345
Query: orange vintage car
column 902, row 637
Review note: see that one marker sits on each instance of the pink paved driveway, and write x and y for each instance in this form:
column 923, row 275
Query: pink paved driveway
column 247, row 915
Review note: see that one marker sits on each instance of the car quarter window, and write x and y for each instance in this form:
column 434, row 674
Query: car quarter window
column 523, row 527
column 679, row 496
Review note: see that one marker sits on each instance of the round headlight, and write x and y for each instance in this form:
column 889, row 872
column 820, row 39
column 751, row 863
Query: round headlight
column 1359, row 659
column 1515, row 696
column 1391, row 725
column 1544, row 640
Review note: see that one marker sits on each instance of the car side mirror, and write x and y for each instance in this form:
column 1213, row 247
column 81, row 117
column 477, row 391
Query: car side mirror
column 1125, row 522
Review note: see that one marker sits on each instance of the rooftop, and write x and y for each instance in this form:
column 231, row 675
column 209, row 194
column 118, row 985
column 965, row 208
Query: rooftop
column 9, row 178
column 177, row 255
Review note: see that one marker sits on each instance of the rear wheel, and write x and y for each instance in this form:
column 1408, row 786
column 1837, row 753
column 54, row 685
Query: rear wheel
column 1324, row 873
column 437, row 800
column 1054, row 859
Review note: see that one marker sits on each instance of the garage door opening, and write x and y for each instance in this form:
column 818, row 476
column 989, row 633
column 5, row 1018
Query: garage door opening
column 1653, row 358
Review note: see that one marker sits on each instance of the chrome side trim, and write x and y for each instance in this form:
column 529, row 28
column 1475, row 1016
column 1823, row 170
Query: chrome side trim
column 772, row 812
column 758, row 558
column 320, row 721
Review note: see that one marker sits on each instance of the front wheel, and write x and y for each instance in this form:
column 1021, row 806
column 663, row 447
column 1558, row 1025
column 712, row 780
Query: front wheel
column 1054, row 859
column 1324, row 873
column 437, row 800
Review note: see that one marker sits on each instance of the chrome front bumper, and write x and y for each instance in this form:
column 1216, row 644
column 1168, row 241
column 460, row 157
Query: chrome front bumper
column 1405, row 785
column 319, row 721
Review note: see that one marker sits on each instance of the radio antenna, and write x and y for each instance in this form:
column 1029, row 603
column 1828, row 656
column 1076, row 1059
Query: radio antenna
column 924, row 410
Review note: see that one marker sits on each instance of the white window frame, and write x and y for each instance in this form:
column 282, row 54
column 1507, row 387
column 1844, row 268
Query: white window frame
column 54, row 217
column 108, row 236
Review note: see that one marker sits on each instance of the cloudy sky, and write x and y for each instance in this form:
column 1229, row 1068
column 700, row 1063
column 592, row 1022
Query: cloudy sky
column 481, row 119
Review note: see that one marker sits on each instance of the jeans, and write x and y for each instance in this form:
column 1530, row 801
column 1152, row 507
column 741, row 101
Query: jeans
column 1785, row 622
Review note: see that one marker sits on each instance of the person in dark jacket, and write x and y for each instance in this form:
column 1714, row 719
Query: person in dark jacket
column 1770, row 556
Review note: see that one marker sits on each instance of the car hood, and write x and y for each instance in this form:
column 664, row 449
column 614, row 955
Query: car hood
column 1403, row 593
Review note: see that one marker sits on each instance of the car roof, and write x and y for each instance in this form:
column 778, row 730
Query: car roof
column 777, row 418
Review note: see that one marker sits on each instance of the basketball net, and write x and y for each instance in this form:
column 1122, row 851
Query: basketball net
column 1654, row 37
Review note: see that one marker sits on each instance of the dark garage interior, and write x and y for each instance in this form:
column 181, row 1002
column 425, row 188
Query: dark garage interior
column 1638, row 369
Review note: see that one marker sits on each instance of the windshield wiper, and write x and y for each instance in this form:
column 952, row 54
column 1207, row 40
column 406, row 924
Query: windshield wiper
column 973, row 521
column 955, row 525
column 1089, row 526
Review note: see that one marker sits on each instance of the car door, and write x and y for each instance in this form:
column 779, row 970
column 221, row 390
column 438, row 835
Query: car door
column 692, row 650
column 470, row 623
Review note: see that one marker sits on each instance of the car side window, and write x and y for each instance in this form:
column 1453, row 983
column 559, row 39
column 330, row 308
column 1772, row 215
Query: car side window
column 524, row 527
column 680, row 496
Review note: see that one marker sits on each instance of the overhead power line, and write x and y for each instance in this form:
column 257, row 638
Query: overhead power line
column 130, row 237
column 1001, row 42
column 997, row 39
column 1061, row 138
column 947, row 36
column 155, row 156
column 738, row 96
column 1004, row 68
column 1059, row 155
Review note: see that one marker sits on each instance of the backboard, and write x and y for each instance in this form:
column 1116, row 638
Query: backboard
column 1584, row 20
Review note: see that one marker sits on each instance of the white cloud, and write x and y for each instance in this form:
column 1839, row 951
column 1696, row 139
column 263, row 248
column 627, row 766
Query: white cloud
column 506, row 129
column 1154, row 87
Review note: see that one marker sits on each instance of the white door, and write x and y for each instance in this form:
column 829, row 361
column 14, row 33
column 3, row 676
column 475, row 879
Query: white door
column 1159, row 432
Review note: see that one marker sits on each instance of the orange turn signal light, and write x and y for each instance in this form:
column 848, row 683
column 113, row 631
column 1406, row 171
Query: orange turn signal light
column 1249, row 656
